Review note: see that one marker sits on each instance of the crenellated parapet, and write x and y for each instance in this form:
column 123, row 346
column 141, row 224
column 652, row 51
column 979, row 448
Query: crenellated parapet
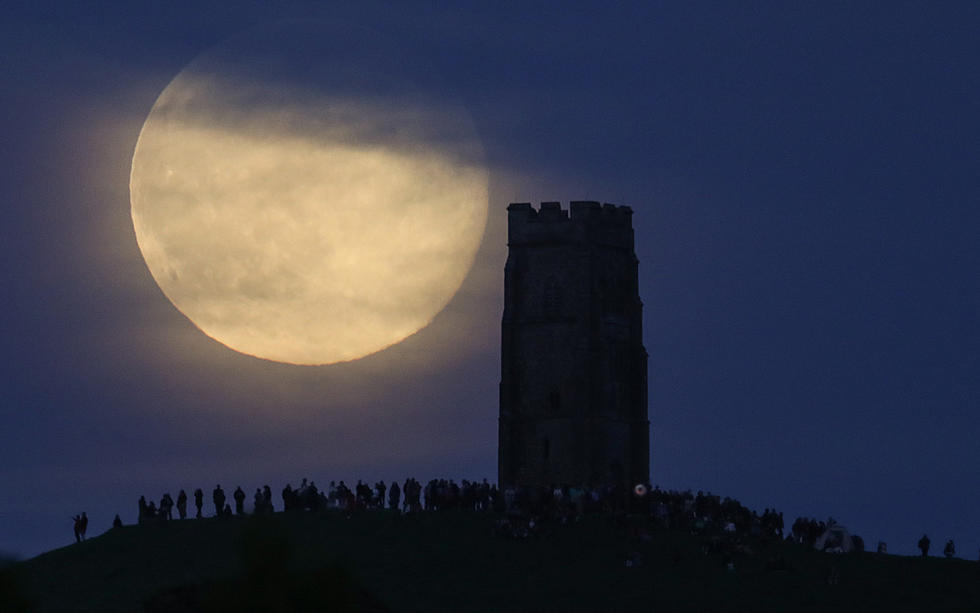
column 583, row 222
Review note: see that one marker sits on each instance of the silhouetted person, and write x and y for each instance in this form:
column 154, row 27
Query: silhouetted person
column 84, row 527
column 379, row 489
column 166, row 507
column 199, row 501
column 77, row 527
column 182, row 504
column 363, row 493
column 259, row 502
column 311, row 496
column 394, row 495
column 117, row 521
column 142, row 515
column 949, row 550
column 267, row 498
column 345, row 498
column 924, row 545
column 239, row 497
column 218, row 497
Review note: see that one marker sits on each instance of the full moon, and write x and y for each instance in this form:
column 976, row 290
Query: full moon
column 307, row 194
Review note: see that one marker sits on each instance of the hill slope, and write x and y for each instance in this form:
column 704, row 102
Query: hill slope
column 452, row 561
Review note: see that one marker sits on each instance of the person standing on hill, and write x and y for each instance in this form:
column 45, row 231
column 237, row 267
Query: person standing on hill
column 182, row 504
column 166, row 507
column 218, row 497
column 394, row 495
column 198, row 501
column 924, row 545
column 949, row 551
column 77, row 527
column 311, row 497
column 239, row 496
column 83, row 525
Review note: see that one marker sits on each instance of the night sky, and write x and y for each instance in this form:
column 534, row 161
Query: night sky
column 805, row 180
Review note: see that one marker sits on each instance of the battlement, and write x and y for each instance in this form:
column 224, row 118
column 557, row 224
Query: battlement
column 583, row 221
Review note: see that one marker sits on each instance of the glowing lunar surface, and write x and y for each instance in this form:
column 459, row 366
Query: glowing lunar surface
column 310, row 208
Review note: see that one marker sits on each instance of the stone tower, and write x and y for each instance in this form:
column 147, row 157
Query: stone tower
column 573, row 388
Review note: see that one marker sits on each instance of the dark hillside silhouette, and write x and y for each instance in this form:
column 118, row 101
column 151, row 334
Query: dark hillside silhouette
column 455, row 557
column 12, row 596
column 265, row 583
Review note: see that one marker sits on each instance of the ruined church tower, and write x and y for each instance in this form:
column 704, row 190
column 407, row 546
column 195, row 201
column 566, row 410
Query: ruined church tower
column 573, row 388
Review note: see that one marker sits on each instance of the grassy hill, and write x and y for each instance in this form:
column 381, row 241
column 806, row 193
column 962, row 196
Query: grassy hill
column 452, row 561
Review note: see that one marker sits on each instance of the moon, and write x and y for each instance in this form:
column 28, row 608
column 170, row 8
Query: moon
column 308, row 194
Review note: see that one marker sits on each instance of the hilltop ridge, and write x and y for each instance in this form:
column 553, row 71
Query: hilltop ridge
column 462, row 561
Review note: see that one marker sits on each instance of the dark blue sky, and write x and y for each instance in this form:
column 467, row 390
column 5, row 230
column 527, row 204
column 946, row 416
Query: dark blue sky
column 806, row 185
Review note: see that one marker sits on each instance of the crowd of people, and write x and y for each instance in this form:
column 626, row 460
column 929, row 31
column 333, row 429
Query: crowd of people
column 671, row 509
column 522, row 510
column 702, row 511
column 807, row 531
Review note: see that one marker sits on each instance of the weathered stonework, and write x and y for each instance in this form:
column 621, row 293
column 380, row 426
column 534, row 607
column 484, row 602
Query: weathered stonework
column 573, row 389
